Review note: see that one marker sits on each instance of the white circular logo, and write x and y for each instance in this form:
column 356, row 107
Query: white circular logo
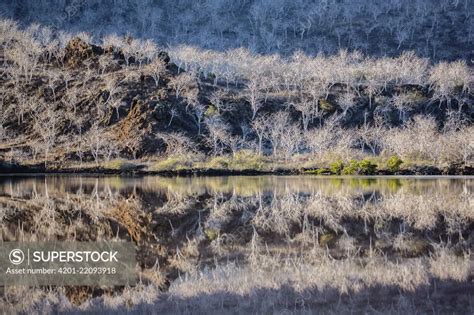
column 16, row 256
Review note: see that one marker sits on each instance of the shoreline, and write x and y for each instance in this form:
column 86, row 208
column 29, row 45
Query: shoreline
column 8, row 169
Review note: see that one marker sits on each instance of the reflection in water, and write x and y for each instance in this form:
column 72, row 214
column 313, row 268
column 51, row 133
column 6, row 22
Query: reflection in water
column 265, row 243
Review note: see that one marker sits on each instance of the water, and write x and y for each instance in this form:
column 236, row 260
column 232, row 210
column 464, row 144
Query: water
column 263, row 243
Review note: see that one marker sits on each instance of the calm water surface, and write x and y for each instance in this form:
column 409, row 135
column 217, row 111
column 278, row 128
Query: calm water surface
column 268, row 243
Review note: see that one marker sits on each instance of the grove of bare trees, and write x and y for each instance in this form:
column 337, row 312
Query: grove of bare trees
column 70, row 100
column 439, row 30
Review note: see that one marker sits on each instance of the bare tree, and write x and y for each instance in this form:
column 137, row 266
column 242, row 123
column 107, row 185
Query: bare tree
column 25, row 55
column 3, row 133
column 173, row 113
column 79, row 140
column 372, row 89
column 5, row 108
column 52, row 49
column 182, row 82
column 105, row 61
column 218, row 134
column 426, row 146
column 53, row 78
column 24, row 103
column 261, row 126
column 372, row 137
column 277, row 129
column 177, row 144
column 346, row 101
column 8, row 31
column 130, row 47
column 308, row 109
column 61, row 55
column 155, row 69
column 246, row 130
column 455, row 121
column 217, row 99
column 47, row 123
column 446, row 77
column 466, row 144
column 97, row 143
column 290, row 140
column 71, row 98
column 116, row 104
column 185, row 85
column 113, row 41
column 198, row 114
column 403, row 102
column 254, row 95
column 67, row 77
column 131, row 75
column 145, row 51
column 322, row 139
column 112, row 86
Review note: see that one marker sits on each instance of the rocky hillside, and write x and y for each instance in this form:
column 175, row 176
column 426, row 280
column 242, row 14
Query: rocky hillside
column 67, row 102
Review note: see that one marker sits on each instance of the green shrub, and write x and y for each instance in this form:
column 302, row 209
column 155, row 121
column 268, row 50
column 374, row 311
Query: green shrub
column 393, row 163
column 211, row 75
column 319, row 171
column 351, row 169
column 326, row 106
column 211, row 111
column 364, row 167
column 211, row 234
column 336, row 167
column 322, row 171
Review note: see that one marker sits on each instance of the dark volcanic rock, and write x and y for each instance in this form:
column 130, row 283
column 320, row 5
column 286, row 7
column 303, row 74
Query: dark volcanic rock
column 77, row 51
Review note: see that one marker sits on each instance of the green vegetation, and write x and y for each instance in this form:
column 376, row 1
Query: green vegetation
column 218, row 162
column 171, row 163
column 56, row 119
column 119, row 164
column 211, row 234
column 326, row 105
column 211, row 111
column 351, row 169
column 242, row 160
column 366, row 167
column 393, row 163
column 319, row 171
column 248, row 160
column 211, row 75
column 336, row 167
column 354, row 167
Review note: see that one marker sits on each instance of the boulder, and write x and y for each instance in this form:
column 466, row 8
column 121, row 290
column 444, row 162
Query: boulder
column 78, row 51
